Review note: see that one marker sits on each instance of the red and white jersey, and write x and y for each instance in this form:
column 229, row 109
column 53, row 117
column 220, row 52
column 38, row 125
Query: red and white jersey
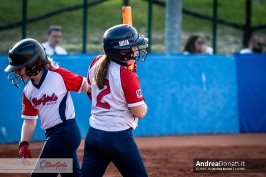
column 110, row 105
column 51, row 97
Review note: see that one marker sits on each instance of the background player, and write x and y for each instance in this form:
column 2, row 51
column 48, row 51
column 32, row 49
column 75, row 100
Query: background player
column 47, row 93
column 117, row 104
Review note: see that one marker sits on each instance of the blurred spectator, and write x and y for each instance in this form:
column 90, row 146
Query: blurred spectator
column 54, row 36
column 256, row 45
column 195, row 45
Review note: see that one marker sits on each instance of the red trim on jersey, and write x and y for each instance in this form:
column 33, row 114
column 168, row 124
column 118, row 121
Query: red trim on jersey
column 27, row 108
column 95, row 60
column 131, row 86
column 91, row 65
column 88, row 77
column 72, row 81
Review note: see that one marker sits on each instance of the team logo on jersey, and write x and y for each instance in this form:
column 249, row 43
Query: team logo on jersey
column 44, row 99
column 124, row 42
column 139, row 93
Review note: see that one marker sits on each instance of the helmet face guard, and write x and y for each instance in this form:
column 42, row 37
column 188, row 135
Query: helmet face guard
column 17, row 80
column 142, row 52
column 118, row 43
column 142, row 44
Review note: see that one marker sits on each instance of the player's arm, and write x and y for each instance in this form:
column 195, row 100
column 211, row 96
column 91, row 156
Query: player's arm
column 30, row 114
column 133, row 93
column 139, row 111
column 27, row 130
column 85, row 87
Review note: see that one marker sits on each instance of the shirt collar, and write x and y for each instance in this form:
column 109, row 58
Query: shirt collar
column 42, row 79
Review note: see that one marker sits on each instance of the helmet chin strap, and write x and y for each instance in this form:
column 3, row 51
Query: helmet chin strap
column 34, row 73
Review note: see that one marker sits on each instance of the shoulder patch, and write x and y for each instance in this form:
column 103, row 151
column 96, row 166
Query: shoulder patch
column 139, row 93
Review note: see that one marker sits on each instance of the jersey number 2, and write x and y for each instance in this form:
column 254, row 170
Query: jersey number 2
column 106, row 91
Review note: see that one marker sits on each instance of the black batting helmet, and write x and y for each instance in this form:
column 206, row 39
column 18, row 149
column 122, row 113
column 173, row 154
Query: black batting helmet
column 119, row 40
column 27, row 52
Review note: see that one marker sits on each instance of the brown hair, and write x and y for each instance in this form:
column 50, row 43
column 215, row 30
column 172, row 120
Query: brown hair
column 190, row 44
column 54, row 28
column 50, row 63
column 101, row 71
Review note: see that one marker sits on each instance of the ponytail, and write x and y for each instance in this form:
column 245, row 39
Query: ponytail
column 101, row 71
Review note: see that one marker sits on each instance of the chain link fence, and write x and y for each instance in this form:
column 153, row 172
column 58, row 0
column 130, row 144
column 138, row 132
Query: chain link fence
column 149, row 18
column 231, row 22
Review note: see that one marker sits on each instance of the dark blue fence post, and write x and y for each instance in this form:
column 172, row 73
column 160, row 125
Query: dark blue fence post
column 24, row 19
column 214, row 28
column 149, row 25
column 85, row 13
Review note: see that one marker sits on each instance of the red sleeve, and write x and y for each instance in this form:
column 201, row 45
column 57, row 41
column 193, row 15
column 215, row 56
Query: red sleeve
column 27, row 108
column 88, row 77
column 131, row 86
column 72, row 81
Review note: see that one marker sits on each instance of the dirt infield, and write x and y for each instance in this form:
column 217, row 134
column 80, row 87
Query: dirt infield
column 172, row 156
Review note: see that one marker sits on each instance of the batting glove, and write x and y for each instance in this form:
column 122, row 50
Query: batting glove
column 24, row 150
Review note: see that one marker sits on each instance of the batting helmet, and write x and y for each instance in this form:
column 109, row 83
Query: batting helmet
column 29, row 53
column 119, row 40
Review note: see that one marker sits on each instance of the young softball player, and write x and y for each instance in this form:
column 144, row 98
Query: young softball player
column 117, row 104
column 47, row 93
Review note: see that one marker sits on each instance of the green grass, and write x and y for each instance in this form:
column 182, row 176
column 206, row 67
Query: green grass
column 107, row 14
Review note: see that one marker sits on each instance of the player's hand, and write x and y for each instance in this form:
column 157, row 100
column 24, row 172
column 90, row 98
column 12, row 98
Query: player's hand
column 24, row 151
